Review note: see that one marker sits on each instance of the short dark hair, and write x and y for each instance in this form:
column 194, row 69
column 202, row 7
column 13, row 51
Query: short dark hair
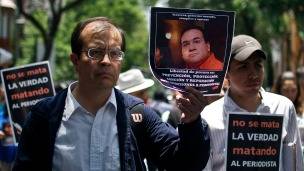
column 76, row 42
column 289, row 75
column 190, row 26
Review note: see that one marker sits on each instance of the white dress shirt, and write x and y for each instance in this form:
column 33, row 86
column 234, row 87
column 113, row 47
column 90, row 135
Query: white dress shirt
column 86, row 142
column 216, row 115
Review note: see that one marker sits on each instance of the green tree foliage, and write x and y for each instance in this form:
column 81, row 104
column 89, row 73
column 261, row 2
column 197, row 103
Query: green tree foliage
column 129, row 15
column 47, row 23
column 262, row 19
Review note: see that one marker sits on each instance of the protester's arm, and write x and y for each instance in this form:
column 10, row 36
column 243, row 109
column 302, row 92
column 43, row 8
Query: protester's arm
column 161, row 143
column 191, row 103
column 292, row 150
column 194, row 142
column 188, row 151
column 30, row 147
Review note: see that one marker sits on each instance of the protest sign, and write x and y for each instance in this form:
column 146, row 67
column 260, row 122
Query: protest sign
column 190, row 47
column 24, row 86
column 254, row 142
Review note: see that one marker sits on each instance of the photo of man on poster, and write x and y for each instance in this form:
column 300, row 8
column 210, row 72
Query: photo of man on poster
column 196, row 51
column 190, row 47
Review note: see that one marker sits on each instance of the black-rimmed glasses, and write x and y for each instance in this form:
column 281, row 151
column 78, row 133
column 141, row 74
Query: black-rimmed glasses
column 99, row 54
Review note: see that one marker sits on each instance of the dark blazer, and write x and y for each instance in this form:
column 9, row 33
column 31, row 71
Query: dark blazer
column 149, row 138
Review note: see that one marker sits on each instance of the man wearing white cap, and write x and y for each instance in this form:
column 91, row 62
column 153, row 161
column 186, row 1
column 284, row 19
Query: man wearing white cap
column 133, row 82
column 245, row 75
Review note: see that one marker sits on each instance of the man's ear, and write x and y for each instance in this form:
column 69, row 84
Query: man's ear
column 74, row 59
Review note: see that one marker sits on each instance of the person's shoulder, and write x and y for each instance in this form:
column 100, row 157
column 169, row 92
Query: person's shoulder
column 277, row 101
column 216, row 63
column 127, row 99
column 50, row 103
column 216, row 103
column 214, row 107
column 54, row 99
column 270, row 97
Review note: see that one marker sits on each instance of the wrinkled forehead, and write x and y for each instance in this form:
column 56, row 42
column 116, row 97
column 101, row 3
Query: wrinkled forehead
column 101, row 30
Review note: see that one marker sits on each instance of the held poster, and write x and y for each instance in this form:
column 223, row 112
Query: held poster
column 254, row 142
column 190, row 47
column 24, row 86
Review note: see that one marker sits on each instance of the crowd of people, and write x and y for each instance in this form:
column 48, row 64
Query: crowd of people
column 106, row 120
column 93, row 126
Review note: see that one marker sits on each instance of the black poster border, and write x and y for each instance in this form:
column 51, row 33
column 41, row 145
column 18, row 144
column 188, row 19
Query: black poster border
column 170, row 71
column 9, row 89
column 254, row 115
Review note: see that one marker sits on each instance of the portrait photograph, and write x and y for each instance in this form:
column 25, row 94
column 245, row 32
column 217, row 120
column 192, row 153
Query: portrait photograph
column 190, row 47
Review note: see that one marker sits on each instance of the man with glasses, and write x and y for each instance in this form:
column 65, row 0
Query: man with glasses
column 196, row 51
column 93, row 126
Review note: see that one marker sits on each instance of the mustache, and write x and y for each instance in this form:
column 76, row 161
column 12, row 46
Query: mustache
column 105, row 71
column 254, row 81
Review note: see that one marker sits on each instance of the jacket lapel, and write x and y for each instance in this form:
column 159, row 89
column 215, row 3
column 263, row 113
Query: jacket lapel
column 123, row 133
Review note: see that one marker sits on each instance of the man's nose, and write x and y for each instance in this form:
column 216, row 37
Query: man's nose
column 192, row 46
column 106, row 59
column 253, row 72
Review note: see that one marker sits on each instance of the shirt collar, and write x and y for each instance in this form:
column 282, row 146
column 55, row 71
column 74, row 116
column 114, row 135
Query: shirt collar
column 230, row 105
column 72, row 105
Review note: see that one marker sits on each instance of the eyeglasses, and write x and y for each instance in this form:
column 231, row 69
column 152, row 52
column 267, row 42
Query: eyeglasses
column 99, row 54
